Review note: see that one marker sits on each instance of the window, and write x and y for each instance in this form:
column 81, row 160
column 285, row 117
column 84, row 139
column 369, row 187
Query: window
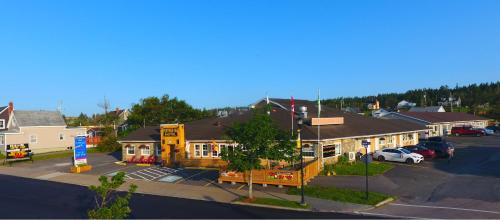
column 2, row 123
column 221, row 146
column 205, row 150
column 2, row 140
column 131, row 150
column 308, row 150
column 158, row 149
column 197, row 150
column 214, row 152
column 390, row 140
column 61, row 136
column 33, row 139
column 381, row 141
column 145, row 150
column 332, row 150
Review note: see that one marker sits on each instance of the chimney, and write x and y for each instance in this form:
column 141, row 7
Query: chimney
column 11, row 107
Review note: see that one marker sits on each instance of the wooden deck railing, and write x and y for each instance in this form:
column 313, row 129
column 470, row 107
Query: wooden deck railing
column 273, row 176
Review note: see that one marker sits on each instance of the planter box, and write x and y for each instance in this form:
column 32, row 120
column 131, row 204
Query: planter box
column 81, row 169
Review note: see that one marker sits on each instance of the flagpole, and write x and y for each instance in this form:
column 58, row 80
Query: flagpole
column 292, row 111
column 319, row 116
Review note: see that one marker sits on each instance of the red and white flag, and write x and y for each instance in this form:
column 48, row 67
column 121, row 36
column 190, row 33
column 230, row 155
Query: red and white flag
column 292, row 103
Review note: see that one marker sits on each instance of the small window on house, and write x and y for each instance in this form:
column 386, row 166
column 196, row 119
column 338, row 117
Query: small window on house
column 381, row 141
column 205, row 150
column 308, row 150
column 145, row 150
column 131, row 150
column 331, row 150
column 61, row 136
column 33, row 139
column 390, row 140
column 2, row 123
column 197, row 150
column 2, row 140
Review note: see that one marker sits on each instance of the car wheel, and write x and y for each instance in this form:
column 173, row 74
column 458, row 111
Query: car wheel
column 381, row 158
column 409, row 161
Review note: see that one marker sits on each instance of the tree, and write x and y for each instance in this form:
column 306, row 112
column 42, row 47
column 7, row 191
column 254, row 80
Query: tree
column 108, row 204
column 257, row 139
column 160, row 110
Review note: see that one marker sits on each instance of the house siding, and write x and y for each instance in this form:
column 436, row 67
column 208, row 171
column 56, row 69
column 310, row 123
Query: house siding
column 47, row 138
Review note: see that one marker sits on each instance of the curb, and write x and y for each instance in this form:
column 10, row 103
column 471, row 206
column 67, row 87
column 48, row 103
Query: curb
column 388, row 200
column 271, row 206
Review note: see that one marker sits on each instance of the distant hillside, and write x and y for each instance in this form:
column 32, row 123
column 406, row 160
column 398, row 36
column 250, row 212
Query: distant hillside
column 482, row 99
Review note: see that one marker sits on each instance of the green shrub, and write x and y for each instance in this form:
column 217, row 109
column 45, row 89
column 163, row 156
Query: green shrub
column 328, row 169
column 109, row 144
column 343, row 159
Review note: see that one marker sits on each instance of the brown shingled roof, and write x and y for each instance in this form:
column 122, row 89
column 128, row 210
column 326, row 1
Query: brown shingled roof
column 434, row 117
column 148, row 133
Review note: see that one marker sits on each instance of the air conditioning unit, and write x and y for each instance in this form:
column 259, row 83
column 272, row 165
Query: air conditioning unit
column 352, row 156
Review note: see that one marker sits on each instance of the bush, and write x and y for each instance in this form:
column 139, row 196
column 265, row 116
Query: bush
column 328, row 169
column 109, row 144
column 343, row 159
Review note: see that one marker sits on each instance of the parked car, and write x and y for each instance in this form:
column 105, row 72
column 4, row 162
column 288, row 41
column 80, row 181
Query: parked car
column 398, row 155
column 440, row 149
column 466, row 130
column 486, row 131
column 495, row 128
column 427, row 153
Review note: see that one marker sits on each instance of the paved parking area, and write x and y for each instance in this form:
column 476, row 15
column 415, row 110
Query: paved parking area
column 467, row 187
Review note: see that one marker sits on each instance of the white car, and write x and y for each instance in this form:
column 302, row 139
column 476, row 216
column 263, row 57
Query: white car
column 486, row 131
column 399, row 155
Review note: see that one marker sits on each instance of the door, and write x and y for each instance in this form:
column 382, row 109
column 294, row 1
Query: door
column 172, row 153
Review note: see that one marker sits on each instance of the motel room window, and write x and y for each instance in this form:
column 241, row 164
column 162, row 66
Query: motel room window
column 331, row 150
column 205, row 150
column 145, row 150
column 221, row 146
column 131, row 150
column 381, row 141
column 2, row 123
column 33, row 139
column 61, row 136
column 197, row 150
column 2, row 140
column 390, row 140
column 214, row 152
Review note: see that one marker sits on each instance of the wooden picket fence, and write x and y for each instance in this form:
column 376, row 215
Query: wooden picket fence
column 273, row 176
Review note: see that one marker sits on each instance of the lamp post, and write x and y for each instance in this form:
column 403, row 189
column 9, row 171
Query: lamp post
column 366, row 144
column 300, row 121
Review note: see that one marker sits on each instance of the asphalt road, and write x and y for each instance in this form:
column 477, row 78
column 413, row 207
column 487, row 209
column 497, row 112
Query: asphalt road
column 29, row 198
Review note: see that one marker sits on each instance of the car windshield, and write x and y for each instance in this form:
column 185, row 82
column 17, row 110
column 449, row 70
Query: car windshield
column 405, row 151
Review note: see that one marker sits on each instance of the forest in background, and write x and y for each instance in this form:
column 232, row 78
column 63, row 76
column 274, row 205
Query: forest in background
column 480, row 99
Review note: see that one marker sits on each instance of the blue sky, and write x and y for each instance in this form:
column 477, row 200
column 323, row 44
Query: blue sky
column 231, row 53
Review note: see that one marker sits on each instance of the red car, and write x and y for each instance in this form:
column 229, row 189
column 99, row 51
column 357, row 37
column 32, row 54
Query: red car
column 427, row 153
column 466, row 130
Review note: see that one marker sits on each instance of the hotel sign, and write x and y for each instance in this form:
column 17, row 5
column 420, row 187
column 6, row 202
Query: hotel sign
column 170, row 132
column 80, row 153
column 17, row 152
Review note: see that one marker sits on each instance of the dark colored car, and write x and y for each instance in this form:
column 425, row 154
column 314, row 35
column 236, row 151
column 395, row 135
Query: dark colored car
column 466, row 130
column 440, row 149
column 419, row 149
column 495, row 128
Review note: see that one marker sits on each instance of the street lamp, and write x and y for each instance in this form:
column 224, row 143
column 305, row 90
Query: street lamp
column 366, row 144
column 302, row 115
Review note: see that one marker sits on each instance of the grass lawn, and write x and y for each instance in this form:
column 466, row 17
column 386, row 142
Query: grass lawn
column 275, row 202
column 341, row 194
column 358, row 168
column 59, row 154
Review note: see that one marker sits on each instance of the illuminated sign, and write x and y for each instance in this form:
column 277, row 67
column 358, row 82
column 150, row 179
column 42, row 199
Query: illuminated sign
column 80, row 153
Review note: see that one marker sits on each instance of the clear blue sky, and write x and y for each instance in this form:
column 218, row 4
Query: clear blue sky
column 215, row 53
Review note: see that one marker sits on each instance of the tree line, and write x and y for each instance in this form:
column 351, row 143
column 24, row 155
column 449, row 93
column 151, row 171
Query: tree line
column 480, row 99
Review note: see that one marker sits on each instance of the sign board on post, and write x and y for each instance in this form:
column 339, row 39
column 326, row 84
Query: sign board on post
column 15, row 152
column 80, row 152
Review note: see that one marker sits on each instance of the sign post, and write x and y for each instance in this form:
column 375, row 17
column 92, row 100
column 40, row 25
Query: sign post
column 366, row 144
column 80, row 151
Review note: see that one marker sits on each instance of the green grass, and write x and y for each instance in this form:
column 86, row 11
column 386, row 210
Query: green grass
column 341, row 194
column 358, row 168
column 275, row 202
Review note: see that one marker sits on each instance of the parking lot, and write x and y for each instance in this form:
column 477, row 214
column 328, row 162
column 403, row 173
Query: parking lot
column 466, row 187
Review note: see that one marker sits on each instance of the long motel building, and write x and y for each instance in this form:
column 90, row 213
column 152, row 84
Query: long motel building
column 199, row 143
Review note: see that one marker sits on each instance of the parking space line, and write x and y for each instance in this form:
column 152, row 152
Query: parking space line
column 158, row 171
column 241, row 187
column 443, row 207
column 146, row 174
column 384, row 215
column 136, row 174
column 152, row 173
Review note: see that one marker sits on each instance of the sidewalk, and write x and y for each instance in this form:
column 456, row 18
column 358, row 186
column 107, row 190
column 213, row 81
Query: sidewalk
column 216, row 194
